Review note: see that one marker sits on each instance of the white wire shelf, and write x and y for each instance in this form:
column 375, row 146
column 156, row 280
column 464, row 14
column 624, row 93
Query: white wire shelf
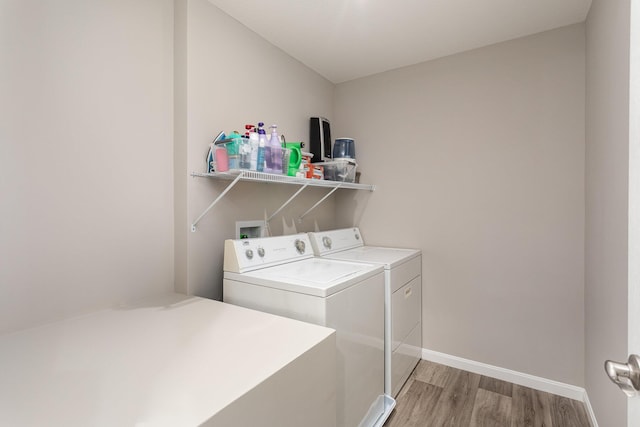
column 248, row 175
column 238, row 175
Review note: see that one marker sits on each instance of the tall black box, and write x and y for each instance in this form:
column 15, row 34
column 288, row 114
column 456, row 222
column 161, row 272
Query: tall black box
column 319, row 139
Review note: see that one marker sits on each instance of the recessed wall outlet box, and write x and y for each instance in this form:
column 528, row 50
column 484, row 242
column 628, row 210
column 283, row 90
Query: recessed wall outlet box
column 250, row 229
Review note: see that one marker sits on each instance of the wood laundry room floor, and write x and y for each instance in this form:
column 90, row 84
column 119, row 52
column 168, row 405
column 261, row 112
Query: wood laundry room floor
column 436, row 395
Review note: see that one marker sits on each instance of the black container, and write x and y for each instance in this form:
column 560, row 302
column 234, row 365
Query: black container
column 319, row 139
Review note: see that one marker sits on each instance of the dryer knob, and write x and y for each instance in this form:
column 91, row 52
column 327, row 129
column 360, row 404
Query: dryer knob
column 261, row 252
column 249, row 253
column 357, row 236
column 300, row 246
column 326, row 241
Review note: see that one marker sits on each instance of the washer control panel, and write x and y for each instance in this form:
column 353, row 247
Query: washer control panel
column 251, row 254
column 300, row 246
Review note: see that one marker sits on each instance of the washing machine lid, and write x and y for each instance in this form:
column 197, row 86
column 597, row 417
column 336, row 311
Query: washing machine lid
column 388, row 257
column 320, row 277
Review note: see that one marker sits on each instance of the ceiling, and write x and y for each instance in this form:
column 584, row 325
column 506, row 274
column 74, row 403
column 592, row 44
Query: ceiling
column 347, row 39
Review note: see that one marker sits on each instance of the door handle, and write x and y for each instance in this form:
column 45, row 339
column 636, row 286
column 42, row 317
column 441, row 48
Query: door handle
column 625, row 375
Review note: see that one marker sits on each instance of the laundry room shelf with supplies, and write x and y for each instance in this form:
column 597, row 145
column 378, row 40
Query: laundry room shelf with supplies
column 238, row 175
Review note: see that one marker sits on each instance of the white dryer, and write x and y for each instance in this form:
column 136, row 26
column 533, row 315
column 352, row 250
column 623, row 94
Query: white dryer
column 280, row 275
column 403, row 296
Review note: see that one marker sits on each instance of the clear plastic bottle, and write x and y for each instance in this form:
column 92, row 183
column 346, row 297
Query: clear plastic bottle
column 262, row 143
column 276, row 151
column 233, row 149
column 255, row 144
column 244, row 152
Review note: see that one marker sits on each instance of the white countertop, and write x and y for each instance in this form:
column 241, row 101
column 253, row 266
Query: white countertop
column 173, row 361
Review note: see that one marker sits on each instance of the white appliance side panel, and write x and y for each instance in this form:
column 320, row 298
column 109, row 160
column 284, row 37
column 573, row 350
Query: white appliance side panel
column 405, row 358
column 306, row 308
column 406, row 310
column 403, row 273
column 387, row 333
column 303, row 393
column 357, row 314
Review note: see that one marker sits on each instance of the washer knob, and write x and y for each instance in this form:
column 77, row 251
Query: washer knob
column 326, row 241
column 357, row 236
column 261, row 252
column 249, row 253
column 300, row 246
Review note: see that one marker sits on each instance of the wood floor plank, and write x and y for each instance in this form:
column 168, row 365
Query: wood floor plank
column 497, row 386
column 405, row 387
column 455, row 405
column 530, row 408
column 491, row 409
column 414, row 407
column 436, row 395
column 581, row 410
column 433, row 373
column 566, row 413
column 542, row 407
column 407, row 384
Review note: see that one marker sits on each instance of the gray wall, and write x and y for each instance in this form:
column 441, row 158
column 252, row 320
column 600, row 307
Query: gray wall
column 607, row 174
column 85, row 156
column 479, row 162
column 231, row 77
column 88, row 160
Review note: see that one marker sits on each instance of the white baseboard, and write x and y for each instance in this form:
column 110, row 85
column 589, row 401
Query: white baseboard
column 520, row 378
column 592, row 415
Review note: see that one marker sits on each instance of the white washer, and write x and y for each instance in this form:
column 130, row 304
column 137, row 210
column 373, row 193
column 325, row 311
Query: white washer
column 280, row 275
column 403, row 296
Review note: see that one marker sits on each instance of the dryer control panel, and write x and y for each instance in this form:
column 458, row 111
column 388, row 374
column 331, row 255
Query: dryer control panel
column 328, row 242
column 245, row 255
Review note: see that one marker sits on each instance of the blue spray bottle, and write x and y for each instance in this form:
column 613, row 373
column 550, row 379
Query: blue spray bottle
column 262, row 142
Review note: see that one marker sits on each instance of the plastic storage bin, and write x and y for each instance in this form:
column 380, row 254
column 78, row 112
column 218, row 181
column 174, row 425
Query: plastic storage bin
column 340, row 170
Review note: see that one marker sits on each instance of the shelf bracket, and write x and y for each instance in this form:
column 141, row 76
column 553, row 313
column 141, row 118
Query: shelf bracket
column 253, row 176
column 300, row 190
column 318, row 203
column 226, row 190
